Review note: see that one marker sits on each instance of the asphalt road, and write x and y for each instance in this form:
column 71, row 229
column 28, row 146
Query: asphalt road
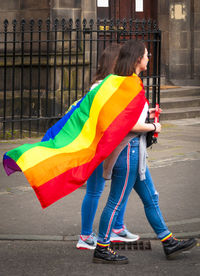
column 57, row 258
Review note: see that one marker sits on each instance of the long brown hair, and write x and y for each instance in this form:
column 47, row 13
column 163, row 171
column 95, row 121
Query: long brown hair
column 107, row 62
column 129, row 56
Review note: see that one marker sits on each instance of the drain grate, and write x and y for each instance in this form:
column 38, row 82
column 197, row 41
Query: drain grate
column 137, row 245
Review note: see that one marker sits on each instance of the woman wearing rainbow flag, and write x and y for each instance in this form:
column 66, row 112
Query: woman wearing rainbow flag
column 130, row 170
column 96, row 182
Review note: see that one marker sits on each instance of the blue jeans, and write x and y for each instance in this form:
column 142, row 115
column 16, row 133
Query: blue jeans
column 125, row 177
column 95, row 187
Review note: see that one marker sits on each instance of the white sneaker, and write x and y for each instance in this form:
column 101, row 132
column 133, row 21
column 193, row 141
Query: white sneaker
column 123, row 236
column 89, row 243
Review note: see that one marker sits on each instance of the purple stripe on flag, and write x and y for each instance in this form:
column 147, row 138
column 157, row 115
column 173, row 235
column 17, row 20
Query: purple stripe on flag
column 10, row 166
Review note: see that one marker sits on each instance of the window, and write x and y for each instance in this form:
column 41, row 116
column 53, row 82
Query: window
column 139, row 5
column 102, row 3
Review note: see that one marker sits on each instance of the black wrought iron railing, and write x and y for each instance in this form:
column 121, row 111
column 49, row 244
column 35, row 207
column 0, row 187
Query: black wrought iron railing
column 45, row 66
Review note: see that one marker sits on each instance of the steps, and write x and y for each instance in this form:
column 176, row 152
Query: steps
column 180, row 103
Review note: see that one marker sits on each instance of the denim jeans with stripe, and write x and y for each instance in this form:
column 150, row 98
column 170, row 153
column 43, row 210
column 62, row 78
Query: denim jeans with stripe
column 95, row 187
column 125, row 177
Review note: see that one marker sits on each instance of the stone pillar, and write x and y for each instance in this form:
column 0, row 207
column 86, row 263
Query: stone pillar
column 196, row 39
column 73, row 9
column 180, row 50
column 89, row 9
column 163, row 23
column 65, row 9
column 181, row 43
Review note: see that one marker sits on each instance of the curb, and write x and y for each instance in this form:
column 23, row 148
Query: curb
column 149, row 236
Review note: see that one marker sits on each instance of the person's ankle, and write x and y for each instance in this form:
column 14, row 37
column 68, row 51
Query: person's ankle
column 103, row 244
column 84, row 237
column 168, row 236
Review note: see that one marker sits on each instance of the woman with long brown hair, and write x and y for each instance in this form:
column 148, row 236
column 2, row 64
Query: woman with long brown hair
column 130, row 170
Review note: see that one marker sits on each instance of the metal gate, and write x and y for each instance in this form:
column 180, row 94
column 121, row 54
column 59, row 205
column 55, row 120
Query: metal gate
column 45, row 66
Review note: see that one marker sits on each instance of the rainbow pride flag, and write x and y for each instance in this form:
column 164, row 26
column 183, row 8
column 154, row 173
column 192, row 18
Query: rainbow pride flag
column 71, row 149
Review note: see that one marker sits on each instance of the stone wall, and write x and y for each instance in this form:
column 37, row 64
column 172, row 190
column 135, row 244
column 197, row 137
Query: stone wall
column 27, row 9
column 42, row 9
column 178, row 20
column 163, row 22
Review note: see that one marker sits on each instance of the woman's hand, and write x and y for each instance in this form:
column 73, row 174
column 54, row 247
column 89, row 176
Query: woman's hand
column 152, row 112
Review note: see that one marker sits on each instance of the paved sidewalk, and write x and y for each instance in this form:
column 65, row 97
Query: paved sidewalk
column 175, row 167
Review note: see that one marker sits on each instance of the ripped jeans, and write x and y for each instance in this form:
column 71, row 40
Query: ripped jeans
column 125, row 177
